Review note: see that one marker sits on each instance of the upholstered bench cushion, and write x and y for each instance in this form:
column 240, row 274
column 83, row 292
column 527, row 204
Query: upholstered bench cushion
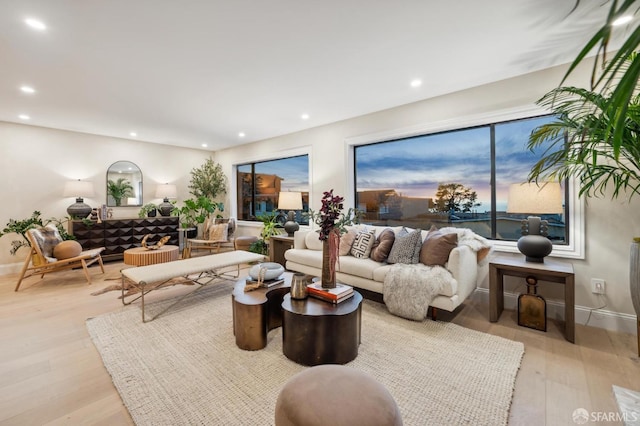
column 335, row 395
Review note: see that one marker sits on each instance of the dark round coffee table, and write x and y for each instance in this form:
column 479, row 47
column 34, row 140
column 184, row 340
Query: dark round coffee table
column 317, row 332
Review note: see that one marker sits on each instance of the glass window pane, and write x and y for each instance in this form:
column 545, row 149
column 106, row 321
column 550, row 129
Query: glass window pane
column 513, row 163
column 259, row 185
column 441, row 179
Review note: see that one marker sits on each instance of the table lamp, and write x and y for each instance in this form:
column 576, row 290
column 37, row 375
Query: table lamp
column 78, row 189
column 290, row 201
column 165, row 192
column 532, row 198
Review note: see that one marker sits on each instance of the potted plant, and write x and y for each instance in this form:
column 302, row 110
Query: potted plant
column 208, row 180
column 119, row 189
column 21, row 226
column 148, row 210
column 332, row 221
column 269, row 229
column 195, row 212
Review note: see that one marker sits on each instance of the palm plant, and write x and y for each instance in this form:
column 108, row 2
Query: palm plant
column 580, row 144
column 615, row 79
column 119, row 189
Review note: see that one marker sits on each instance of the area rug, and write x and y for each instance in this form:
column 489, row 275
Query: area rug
column 184, row 368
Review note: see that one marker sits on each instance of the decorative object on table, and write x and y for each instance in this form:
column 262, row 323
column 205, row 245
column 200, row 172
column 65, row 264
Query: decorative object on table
column 148, row 210
column 532, row 308
column 528, row 198
column 332, row 221
column 119, row 189
column 266, row 271
column 634, row 281
column 166, row 192
column 299, row 286
column 337, row 294
column 78, row 189
column 156, row 246
column 290, row 201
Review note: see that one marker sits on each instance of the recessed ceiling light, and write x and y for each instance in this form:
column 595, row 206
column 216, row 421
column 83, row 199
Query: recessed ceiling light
column 305, row 116
column 241, row 135
column 28, row 89
column 622, row 20
column 204, row 145
column 35, row 24
column 133, row 134
column 24, row 117
column 416, row 83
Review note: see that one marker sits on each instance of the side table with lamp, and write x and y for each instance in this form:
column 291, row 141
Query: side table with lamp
column 530, row 198
column 290, row 201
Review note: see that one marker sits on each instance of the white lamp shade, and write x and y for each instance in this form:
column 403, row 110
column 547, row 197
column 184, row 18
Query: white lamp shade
column 78, row 188
column 166, row 191
column 290, row 201
column 543, row 198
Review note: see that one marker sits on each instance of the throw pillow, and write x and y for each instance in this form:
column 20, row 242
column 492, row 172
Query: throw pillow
column 312, row 241
column 346, row 241
column 218, row 232
column 382, row 247
column 361, row 247
column 67, row 249
column 437, row 247
column 47, row 238
column 406, row 247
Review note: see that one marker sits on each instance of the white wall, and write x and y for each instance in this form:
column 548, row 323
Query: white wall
column 609, row 225
column 36, row 162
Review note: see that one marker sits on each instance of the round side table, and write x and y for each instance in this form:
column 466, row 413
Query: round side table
column 140, row 256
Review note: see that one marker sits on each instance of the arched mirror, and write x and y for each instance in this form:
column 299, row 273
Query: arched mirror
column 124, row 184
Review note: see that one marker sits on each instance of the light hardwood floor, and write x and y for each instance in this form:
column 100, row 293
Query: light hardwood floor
column 51, row 374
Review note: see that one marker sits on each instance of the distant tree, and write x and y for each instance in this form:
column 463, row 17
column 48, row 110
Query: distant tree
column 455, row 197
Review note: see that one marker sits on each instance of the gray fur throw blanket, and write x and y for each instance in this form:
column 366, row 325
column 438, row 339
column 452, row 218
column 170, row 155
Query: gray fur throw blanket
column 408, row 290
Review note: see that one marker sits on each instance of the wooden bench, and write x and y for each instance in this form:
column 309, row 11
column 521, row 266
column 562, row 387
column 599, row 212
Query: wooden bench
column 200, row 270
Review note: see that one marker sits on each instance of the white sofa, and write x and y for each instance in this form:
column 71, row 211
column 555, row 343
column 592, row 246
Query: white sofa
column 365, row 273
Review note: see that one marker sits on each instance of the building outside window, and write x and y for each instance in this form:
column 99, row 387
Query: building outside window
column 444, row 179
column 260, row 183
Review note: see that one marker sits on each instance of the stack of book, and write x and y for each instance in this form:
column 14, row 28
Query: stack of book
column 335, row 295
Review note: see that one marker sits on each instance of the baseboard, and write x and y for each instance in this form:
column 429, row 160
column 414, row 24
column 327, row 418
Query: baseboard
column 601, row 318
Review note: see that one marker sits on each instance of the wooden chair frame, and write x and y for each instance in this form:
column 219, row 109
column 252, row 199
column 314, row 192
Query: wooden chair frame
column 37, row 264
column 193, row 244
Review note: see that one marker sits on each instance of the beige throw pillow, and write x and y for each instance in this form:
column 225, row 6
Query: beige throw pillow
column 361, row 247
column 346, row 241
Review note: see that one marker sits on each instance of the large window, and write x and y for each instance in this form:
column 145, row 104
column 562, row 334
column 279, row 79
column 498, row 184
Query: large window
column 259, row 185
column 445, row 179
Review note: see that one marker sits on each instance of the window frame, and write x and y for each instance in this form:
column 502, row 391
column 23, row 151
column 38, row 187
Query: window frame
column 575, row 249
column 279, row 155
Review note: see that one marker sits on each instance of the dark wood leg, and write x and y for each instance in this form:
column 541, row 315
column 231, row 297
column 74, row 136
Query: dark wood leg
column 434, row 313
column 496, row 293
column 569, row 309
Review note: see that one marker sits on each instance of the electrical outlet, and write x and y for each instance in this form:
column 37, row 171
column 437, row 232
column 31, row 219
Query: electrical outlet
column 597, row 285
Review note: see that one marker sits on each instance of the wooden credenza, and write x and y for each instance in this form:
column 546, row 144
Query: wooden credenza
column 118, row 235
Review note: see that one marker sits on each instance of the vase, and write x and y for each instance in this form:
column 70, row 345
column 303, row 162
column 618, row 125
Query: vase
column 329, row 258
column 299, row 286
column 634, row 283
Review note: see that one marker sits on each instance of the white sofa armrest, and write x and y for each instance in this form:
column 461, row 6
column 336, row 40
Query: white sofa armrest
column 463, row 265
column 299, row 239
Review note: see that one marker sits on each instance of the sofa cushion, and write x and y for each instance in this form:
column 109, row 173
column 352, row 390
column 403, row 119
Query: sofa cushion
column 406, row 247
column 346, row 241
column 436, row 247
column 382, row 247
column 307, row 257
column 312, row 240
column 361, row 247
column 360, row 267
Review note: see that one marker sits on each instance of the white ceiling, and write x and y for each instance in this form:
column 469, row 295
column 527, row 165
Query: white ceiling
column 200, row 71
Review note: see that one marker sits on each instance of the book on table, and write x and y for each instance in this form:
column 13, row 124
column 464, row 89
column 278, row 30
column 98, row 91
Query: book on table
column 337, row 294
column 324, row 298
column 265, row 283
